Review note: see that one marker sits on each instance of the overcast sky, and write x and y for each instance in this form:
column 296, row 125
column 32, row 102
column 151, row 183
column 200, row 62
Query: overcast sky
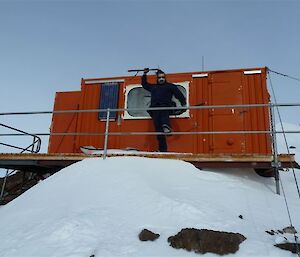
column 48, row 46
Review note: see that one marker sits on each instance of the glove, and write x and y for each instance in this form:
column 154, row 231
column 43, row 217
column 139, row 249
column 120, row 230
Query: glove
column 146, row 70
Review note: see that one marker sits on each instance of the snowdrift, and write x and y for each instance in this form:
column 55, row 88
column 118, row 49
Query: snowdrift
column 99, row 207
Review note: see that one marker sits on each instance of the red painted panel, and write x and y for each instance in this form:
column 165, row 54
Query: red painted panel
column 64, row 122
column 225, row 89
column 255, row 92
column 89, row 122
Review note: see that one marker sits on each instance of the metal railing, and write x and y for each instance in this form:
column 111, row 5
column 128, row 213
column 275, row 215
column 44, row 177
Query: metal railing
column 106, row 133
column 34, row 147
column 191, row 107
column 270, row 106
column 108, row 111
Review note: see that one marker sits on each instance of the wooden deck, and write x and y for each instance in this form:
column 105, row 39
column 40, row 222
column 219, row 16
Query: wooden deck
column 55, row 162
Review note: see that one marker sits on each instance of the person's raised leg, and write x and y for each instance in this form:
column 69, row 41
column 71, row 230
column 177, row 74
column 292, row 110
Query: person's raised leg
column 162, row 142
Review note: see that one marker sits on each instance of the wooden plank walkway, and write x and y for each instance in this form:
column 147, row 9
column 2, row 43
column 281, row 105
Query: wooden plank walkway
column 47, row 162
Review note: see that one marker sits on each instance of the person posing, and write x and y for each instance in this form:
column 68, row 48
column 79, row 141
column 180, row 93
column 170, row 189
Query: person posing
column 161, row 96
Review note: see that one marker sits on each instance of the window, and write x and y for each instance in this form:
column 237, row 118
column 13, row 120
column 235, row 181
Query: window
column 109, row 96
column 136, row 97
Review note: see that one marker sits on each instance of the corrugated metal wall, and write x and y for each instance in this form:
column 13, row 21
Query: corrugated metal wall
column 64, row 122
column 215, row 88
column 255, row 92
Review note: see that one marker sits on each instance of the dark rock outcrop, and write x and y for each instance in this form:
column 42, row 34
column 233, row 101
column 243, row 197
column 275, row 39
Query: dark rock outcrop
column 290, row 230
column 292, row 247
column 204, row 241
column 17, row 183
column 272, row 232
column 147, row 235
column 286, row 230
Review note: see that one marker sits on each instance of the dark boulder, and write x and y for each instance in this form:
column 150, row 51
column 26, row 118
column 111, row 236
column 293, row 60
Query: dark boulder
column 292, row 247
column 204, row 241
column 290, row 230
column 147, row 235
column 272, row 232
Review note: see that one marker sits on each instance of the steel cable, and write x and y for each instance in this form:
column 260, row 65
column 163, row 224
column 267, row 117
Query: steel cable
column 284, row 75
column 284, row 134
column 282, row 188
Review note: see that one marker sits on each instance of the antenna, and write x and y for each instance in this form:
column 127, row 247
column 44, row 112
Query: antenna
column 202, row 62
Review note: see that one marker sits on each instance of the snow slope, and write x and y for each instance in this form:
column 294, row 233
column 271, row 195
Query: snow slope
column 99, row 206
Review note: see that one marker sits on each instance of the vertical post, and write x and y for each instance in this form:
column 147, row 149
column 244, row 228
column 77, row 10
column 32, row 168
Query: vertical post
column 106, row 134
column 275, row 163
column 3, row 186
column 33, row 143
column 202, row 62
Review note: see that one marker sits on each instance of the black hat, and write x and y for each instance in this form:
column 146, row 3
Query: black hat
column 159, row 72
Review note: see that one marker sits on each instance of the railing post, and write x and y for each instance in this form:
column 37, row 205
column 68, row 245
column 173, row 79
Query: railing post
column 33, row 144
column 3, row 186
column 275, row 163
column 106, row 134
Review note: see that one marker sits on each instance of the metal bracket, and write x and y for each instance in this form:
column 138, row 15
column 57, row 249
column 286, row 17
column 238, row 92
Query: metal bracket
column 276, row 164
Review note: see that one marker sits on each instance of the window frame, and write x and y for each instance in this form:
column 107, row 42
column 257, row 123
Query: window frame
column 128, row 88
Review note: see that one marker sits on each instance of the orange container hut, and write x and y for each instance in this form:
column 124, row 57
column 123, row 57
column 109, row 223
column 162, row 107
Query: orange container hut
column 211, row 88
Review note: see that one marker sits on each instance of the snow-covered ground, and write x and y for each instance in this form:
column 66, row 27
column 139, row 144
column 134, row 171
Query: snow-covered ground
column 99, row 207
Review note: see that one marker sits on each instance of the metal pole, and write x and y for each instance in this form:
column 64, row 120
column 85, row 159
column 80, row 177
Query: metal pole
column 33, row 143
column 149, row 109
column 106, row 133
column 3, row 186
column 237, row 132
column 276, row 164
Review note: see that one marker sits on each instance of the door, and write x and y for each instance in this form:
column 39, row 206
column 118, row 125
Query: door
column 226, row 89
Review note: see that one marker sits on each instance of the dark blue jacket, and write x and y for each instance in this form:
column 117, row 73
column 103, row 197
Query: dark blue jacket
column 161, row 94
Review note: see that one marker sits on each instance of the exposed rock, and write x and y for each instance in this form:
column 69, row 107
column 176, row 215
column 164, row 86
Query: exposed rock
column 290, row 230
column 287, row 230
column 203, row 241
column 18, row 183
column 292, row 247
column 241, row 217
column 272, row 233
column 265, row 172
column 147, row 235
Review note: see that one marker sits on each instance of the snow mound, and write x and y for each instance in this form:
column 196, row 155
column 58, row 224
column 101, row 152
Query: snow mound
column 99, row 207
